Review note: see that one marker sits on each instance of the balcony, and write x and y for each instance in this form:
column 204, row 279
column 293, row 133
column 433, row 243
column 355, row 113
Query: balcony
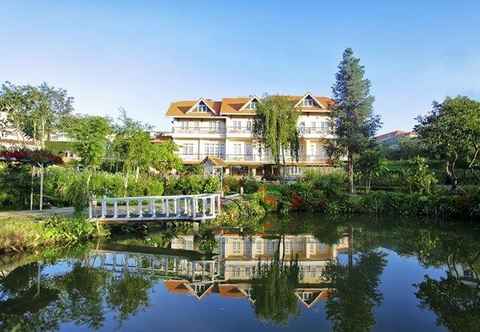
column 314, row 131
column 266, row 158
column 239, row 130
column 199, row 130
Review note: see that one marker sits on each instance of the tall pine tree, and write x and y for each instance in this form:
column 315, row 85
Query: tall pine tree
column 353, row 119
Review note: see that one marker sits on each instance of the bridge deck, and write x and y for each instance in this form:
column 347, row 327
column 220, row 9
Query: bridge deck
column 155, row 208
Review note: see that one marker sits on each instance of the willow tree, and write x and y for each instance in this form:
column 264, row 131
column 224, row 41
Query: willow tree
column 354, row 122
column 276, row 126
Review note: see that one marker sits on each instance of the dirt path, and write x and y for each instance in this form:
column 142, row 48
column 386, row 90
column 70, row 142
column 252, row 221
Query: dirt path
column 67, row 211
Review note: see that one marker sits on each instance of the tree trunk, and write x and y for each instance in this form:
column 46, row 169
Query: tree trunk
column 350, row 248
column 41, row 187
column 450, row 169
column 125, row 185
column 350, row 172
column 31, row 188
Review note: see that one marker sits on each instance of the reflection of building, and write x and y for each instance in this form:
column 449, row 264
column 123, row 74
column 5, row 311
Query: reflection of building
column 231, row 273
column 465, row 274
column 240, row 256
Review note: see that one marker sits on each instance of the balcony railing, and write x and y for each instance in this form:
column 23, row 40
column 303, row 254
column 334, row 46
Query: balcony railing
column 252, row 157
column 239, row 130
column 199, row 130
column 314, row 130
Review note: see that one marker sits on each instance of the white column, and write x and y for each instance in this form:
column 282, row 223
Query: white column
column 185, row 200
column 153, row 208
column 167, row 207
column 212, row 206
column 204, row 205
column 127, row 205
column 115, row 207
column 140, row 212
column 175, row 205
column 104, row 208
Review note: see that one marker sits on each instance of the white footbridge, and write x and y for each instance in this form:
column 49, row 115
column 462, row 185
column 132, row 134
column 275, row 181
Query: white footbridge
column 155, row 208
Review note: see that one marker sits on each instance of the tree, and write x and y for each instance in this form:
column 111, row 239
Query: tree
column 370, row 164
column 419, row 177
column 90, row 134
column 35, row 111
column 352, row 116
column 276, row 125
column 452, row 132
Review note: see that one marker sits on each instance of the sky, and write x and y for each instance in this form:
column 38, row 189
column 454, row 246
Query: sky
column 142, row 55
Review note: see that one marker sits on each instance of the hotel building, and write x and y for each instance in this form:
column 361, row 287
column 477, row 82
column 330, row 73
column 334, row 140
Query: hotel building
column 223, row 129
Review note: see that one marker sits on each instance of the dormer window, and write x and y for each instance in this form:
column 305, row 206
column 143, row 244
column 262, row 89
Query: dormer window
column 251, row 105
column 201, row 107
column 308, row 102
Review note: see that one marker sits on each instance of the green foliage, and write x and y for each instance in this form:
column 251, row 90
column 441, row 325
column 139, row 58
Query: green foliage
column 68, row 230
column 451, row 131
column 25, row 234
column 193, row 184
column 90, row 138
column 371, row 165
column 418, row 176
column 35, row 111
column 352, row 116
column 355, row 292
column 274, row 291
column 245, row 212
column 276, row 125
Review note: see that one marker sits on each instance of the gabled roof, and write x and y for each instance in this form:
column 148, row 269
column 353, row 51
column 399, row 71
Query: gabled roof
column 233, row 106
column 181, row 108
column 308, row 94
column 317, row 294
column 237, row 106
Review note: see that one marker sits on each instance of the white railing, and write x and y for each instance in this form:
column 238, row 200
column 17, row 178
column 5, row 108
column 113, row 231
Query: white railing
column 181, row 207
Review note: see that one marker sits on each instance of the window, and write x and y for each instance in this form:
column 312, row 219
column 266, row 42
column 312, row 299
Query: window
column 184, row 125
column 237, row 149
column 188, row 149
column 252, row 105
column 237, row 124
column 308, row 102
column 201, row 107
column 236, row 247
column 249, row 125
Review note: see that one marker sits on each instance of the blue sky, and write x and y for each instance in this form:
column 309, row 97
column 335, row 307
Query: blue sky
column 141, row 55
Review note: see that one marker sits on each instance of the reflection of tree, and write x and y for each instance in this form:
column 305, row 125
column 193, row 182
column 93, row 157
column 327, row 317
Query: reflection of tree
column 355, row 291
column 26, row 307
column 84, row 289
column 456, row 304
column 274, row 291
column 129, row 294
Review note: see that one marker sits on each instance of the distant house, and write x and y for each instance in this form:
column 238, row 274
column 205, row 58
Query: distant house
column 393, row 137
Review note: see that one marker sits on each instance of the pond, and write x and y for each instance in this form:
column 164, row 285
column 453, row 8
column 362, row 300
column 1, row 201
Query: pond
column 303, row 273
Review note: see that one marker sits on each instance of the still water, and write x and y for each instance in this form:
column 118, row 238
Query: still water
column 301, row 274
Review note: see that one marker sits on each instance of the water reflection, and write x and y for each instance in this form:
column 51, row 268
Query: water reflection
column 282, row 272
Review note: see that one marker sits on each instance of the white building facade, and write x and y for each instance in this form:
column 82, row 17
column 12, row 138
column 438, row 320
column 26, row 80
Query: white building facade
column 224, row 129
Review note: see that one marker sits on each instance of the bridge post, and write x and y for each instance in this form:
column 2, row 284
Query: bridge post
column 219, row 204
column 128, row 208
column 185, row 202
column 153, row 208
column 212, row 206
column 115, row 209
column 104, row 207
column 175, row 206
column 204, row 206
column 140, row 208
column 167, row 207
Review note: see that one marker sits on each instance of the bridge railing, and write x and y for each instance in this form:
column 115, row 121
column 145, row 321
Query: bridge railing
column 178, row 207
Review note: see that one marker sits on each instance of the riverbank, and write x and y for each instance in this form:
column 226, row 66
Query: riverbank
column 24, row 232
